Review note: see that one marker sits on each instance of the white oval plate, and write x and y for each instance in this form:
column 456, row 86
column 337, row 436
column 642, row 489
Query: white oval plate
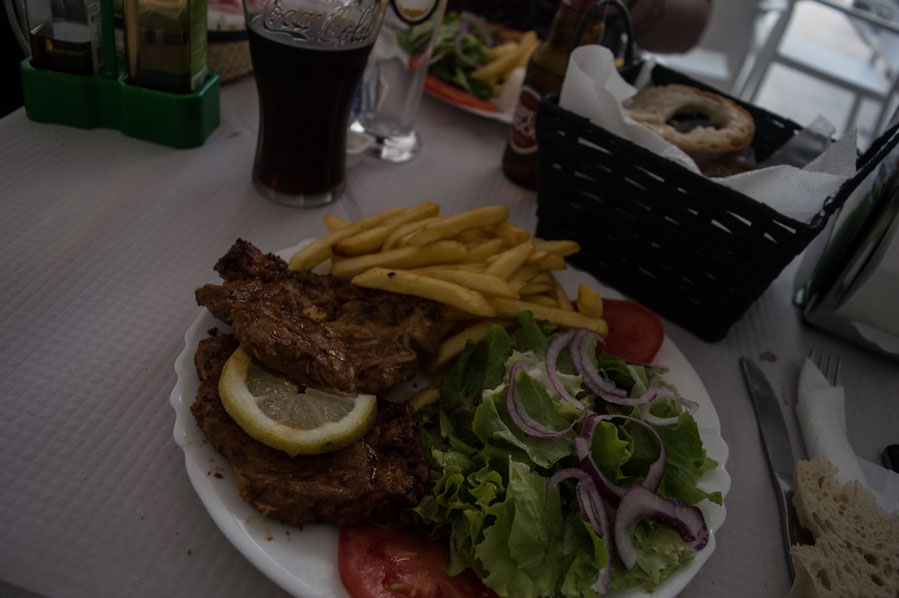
column 505, row 103
column 304, row 562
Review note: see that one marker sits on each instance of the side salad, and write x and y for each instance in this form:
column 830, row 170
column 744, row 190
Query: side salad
column 474, row 64
column 560, row 470
column 461, row 47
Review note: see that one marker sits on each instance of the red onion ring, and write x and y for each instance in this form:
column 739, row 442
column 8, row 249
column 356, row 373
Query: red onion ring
column 666, row 393
column 519, row 414
column 479, row 24
column 640, row 502
column 457, row 46
column 559, row 342
column 610, row 491
column 592, row 379
column 594, row 511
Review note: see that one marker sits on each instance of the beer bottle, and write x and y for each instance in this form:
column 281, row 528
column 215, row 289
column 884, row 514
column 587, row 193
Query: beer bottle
column 544, row 75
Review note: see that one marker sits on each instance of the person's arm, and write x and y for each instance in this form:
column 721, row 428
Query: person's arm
column 668, row 25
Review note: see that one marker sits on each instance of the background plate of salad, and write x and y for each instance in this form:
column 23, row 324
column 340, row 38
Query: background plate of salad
column 476, row 66
column 304, row 561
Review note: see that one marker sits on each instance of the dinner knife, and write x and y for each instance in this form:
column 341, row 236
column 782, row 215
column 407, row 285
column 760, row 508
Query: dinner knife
column 778, row 452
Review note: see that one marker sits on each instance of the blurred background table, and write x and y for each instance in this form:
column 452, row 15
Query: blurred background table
column 104, row 239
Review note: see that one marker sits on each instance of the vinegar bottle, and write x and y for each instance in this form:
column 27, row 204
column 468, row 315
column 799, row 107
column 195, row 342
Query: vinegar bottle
column 544, row 75
column 66, row 35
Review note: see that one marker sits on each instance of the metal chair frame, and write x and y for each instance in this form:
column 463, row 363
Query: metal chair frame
column 872, row 79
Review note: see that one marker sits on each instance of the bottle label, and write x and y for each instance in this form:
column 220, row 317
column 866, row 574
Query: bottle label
column 524, row 122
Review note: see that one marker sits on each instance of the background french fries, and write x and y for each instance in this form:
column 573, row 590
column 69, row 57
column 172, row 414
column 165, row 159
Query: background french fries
column 483, row 269
column 502, row 59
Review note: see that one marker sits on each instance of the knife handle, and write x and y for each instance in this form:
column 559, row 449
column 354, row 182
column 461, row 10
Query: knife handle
column 891, row 457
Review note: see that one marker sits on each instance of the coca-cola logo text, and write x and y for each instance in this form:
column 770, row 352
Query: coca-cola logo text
column 345, row 26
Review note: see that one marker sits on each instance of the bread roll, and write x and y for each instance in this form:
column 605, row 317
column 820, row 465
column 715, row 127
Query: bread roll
column 730, row 128
column 856, row 550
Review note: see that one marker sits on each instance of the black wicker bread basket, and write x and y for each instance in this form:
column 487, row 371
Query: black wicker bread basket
column 695, row 251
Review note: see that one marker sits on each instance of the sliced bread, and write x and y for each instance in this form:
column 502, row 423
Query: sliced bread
column 856, row 550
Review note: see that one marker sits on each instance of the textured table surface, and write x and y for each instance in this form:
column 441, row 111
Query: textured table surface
column 104, row 239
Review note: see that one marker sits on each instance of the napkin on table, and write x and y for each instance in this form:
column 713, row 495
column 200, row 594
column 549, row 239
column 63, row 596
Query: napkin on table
column 593, row 89
column 821, row 411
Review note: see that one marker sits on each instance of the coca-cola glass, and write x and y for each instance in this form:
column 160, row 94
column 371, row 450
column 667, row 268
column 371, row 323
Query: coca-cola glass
column 308, row 58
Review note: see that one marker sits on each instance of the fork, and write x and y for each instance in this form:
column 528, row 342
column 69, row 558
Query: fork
column 829, row 365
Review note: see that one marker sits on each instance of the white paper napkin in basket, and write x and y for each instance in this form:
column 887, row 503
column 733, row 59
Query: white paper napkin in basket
column 593, row 88
column 821, row 410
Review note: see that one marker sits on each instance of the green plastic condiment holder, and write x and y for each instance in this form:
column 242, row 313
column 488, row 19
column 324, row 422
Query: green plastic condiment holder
column 108, row 100
column 176, row 120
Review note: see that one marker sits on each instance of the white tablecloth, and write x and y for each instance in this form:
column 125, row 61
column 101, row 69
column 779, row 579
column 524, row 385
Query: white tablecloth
column 104, row 239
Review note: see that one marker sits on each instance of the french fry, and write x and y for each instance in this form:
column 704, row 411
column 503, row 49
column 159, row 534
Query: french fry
column 468, row 266
column 556, row 315
column 333, row 223
column 497, row 68
column 542, row 277
column 453, row 346
column 510, row 260
column 395, row 238
column 552, row 262
column 526, row 47
column 373, row 238
column 320, row 249
column 563, row 248
column 479, row 253
column 588, row 301
column 536, row 257
column 474, row 236
column 476, row 281
column 449, row 226
column 563, row 300
column 535, row 288
column 440, row 252
column 425, row 396
column 409, row 283
column 517, row 283
column 501, row 50
column 510, row 234
column 525, row 273
column 541, row 300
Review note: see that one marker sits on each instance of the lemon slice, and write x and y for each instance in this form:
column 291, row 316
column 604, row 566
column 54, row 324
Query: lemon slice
column 275, row 412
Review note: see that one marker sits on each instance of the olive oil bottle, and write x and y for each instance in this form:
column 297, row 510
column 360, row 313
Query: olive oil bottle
column 165, row 44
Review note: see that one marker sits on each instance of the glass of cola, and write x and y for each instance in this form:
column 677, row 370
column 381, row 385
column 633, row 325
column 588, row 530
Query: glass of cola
column 308, row 58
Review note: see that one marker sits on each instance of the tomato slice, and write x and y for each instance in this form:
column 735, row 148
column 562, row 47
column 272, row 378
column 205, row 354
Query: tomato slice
column 635, row 332
column 378, row 562
column 453, row 94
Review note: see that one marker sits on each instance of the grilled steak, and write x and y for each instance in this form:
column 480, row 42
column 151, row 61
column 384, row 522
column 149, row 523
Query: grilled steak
column 370, row 480
column 324, row 332
column 318, row 330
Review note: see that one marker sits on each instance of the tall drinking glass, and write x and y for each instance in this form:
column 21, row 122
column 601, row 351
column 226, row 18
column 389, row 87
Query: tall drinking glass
column 308, row 58
column 395, row 77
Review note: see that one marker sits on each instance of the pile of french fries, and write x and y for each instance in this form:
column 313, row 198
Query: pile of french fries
column 513, row 51
column 482, row 268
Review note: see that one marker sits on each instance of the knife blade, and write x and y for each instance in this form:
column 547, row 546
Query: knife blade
column 778, row 452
